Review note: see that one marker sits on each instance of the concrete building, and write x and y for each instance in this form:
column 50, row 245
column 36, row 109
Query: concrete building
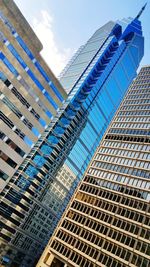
column 107, row 222
column 30, row 95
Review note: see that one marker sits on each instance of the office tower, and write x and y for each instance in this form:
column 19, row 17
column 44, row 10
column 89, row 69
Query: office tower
column 39, row 191
column 30, row 95
column 79, row 157
column 107, row 222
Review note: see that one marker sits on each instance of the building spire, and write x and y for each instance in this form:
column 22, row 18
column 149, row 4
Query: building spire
column 141, row 11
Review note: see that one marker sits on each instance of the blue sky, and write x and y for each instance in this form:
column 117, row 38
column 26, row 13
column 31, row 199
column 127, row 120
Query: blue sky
column 64, row 25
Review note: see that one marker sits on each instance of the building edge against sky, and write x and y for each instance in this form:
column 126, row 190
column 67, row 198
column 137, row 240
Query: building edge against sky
column 30, row 94
column 39, row 196
column 107, row 222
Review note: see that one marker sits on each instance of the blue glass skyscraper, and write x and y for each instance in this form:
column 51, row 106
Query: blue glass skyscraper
column 98, row 76
column 103, row 106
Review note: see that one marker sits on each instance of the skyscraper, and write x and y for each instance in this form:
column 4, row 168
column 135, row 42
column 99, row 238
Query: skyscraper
column 39, row 191
column 30, row 95
column 107, row 222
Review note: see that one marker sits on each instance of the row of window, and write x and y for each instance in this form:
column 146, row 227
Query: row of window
column 132, row 119
column 128, row 138
column 137, row 101
column 123, row 152
column 143, row 85
column 144, row 71
column 143, row 82
column 141, row 95
column 130, row 131
column 138, row 90
column 131, row 125
column 121, row 168
column 134, row 107
column 135, row 86
column 126, row 145
column 117, row 178
column 141, row 76
column 124, row 159
column 133, row 113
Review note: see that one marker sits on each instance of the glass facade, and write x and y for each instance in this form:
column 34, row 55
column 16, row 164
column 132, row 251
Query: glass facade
column 107, row 222
column 46, row 180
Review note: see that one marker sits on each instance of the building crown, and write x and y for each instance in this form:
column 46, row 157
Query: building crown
column 141, row 11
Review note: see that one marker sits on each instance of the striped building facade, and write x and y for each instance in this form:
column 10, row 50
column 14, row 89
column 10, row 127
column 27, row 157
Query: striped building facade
column 30, row 95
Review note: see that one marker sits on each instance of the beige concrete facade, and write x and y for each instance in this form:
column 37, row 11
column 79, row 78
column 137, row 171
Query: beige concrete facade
column 107, row 222
column 23, row 104
column 10, row 9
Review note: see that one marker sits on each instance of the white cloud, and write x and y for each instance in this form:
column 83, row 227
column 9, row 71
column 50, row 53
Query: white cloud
column 55, row 58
